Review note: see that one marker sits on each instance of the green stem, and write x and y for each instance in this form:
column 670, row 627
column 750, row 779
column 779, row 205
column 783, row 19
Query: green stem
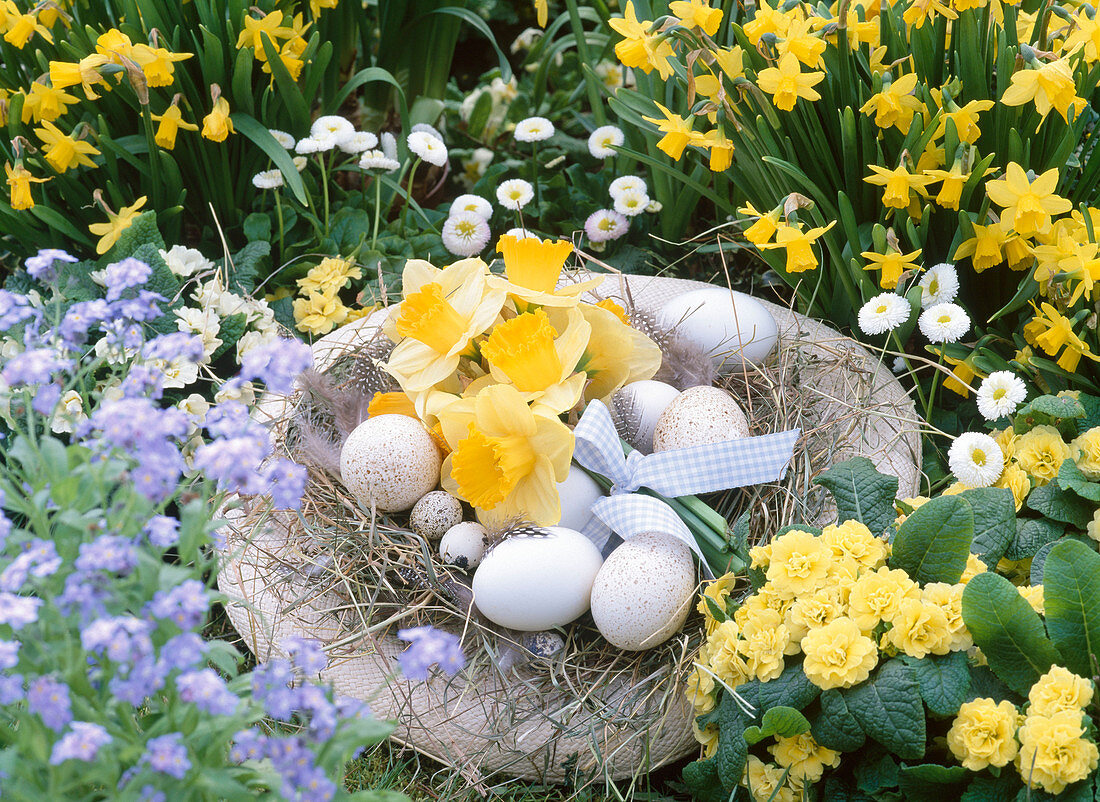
column 408, row 195
column 377, row 211
column 324, row 188
column 582, row 52
column 279, row 217
column 154, row 156
column 538, row 189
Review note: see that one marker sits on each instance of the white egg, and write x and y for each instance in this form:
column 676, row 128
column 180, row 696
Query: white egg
column 390, row 461
column 577, row 493
column 727, row 325
column 640, row 405
column 644, row 591
column 434, row 514
column 537, row 581
column 464, row 545
column 700, row 416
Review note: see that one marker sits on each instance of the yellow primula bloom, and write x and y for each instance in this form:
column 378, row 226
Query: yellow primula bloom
column 170, row 124
column 318, row 313
column 330, row 275
column 765, row 227
column 1055, row 751
column 697, row 14
column 892, row 265
column 677, row 132
column 985, row 248
column 158, row 64
column 63, row 151
column 110, row 231
column 983, row 734
column 898, row 185
column 1049, row 87
column 896, row 104
column 84, row 73
column 23, row 28
column 442, row 311
column 1028, row 204
column 787, row 83
column 506, row 457
column 532, row 269
column 640, row 48
column 45, row 103
column 616, row 353
column 216, row 125
column 798, row 245
column 19, row 182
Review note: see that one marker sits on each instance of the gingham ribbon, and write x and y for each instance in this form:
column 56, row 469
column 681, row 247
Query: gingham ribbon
column 685, row 471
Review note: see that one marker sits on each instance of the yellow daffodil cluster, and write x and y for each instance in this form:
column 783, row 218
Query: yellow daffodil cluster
column 1048, row 743
column 284, row 32
column 493, row 362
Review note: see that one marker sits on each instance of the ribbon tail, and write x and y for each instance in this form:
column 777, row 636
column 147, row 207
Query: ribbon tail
column 629, row 515
column 598, row 448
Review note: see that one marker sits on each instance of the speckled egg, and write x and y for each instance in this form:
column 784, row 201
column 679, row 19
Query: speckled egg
column 538, row 580
column 390, row 461
column 644, row 591
column 542, row 645
column 576, row 494
column 463, row 545
column 729, row 326
column 639, row 405
column 434, row 514
column 700, row 416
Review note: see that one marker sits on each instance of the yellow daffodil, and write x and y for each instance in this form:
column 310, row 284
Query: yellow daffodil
column 529, row 353
column 731, row 60
column 45, row 103
column 19, row 182
column 1049, row 87
column 442, row 312
column 169, row 126
column 254, row 29
column 640, row 48
column 84, row 73
column 319, row 312
column 1028, row 204
column 787, row 83
column 965, row 119
column 217, row 125
column 898, row 185
column 115, row 45
column 719, row 147
column 506, row 457
column 532, row 268
column 110, row 231
column 542, row 12
column 64, row 151
column 23, row 28
column 315, row 6
column 953, row 182
column 921, row 11
column 1085, row 36
column 1018, row 251
column 677, row 132
column 801, row 42
column 1083, row 270
column 617, row 353
column 764, row 228
column 799, row 246
column 962, row 375
column 1053, row 331
column 289, row 56
column 892, row 265
column 985, row 248
column 895, row 105
column 697, row 14
column 157, row 64
column 768, row 19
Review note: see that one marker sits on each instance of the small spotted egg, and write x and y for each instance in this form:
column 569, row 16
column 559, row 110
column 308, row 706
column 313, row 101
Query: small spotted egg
column 390, row 461
column 434, row 514
column 699, row 416
column 463, row 545
column 542, row 644
column 644, row 591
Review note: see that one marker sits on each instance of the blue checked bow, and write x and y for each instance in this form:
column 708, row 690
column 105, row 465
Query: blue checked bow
column 682, row 472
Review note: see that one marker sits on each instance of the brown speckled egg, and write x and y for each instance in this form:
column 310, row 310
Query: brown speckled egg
column 390, row 461
column 434, row 514
column 699, row 416
column 644, row 591
column 464, row 544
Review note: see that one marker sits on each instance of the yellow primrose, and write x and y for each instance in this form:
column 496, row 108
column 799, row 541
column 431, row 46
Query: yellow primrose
column 1027, row 204
column 330, row 275
column 898, row 184
column 170, row 124
column 984, row 248
column 895, row 105
column 640, row 48
column 799, row 246
column 44, row 103
column 892, row 265
column 319, row 312
column 532, row 268
column 697, row 14
column 529, row 353
column 506, row 457
column 110, row 231
column 442, row 312
column 217, row 125
column 84, row 72
column 64, row 151
column 787, row 83
column 677, row 132
column 1049, row 87
column 19, row 181
column 616, row 354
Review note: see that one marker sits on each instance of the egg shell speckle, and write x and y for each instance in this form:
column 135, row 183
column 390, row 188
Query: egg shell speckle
column 729, row 326
column 390, row 460
column 464, row 545
column 543, row 644
column 700, row 416
column 644, row 402
column 643, row 593
column 434, row 514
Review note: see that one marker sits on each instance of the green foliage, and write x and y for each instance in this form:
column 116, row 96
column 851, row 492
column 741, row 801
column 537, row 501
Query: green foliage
column 1031, row 535
column 835, row 727
column 930, row 782
column 861, row 493
column 1071, row 599
column 994, row 521
column 780, row 722
column 944, row 681
column 889, row 709
column 1059, row 411
column 932, row 544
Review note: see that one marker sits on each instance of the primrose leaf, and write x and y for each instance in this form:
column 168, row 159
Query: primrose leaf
column 861, row 493
column 1071, row 600
column 932, row 544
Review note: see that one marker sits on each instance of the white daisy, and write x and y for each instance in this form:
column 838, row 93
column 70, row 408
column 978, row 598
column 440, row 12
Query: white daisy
column 883, row 313
column 428, row 147
column 939, row 285
column 999, row 394
column 377, row 160
column 976, row 459
column 268, row 179
column 465, row 234
column 944, row 323
column 300, row 163
column 472, row 203
column 315, row 144
column 358, row 142
column 427, row 129
column 389, row 144
column 631, row 203
column 332, row 127
column 604, row 140
column 627, row 182
column 515, row 193
column 605, row 225
column 534, row 129
column 520, row 233
column 282, row 137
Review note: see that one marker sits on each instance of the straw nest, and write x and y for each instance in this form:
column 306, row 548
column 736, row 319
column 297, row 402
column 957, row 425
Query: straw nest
column 352, row 577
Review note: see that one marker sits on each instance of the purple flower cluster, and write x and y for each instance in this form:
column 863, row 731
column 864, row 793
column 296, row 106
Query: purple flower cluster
column 35, row 366
column 430, row 647
column 18, row 611
column 275, row 685
column 125, row 275
column 207, row 691
column 185, row 605
column 111, row 554
column 82, row 742
column 302, row 779
column 39, row 558
column 278, row 364
column 162, row 531
column 50, row 700
column 167, row 755
column 41, row 265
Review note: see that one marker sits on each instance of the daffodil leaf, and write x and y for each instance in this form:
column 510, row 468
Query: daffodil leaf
column 861, row 493
column 994, row 511
column 1071, row 601
column 835, row 727
column 932, row 544
column 944, row 681
column 889, row 709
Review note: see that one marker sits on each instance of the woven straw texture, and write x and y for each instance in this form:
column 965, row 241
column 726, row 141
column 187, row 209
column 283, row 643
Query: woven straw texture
column 484, row 725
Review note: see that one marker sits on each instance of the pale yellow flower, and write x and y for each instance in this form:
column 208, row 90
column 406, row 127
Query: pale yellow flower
column 616, row 354
column 1057, row 690
column 983, row 734
column 877, row 596
column 838, row 655
column 1041, row 453
column 919, row 629
column 948, row 598
column 1054, row 752
column 805, row 757
column 1087, row 447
